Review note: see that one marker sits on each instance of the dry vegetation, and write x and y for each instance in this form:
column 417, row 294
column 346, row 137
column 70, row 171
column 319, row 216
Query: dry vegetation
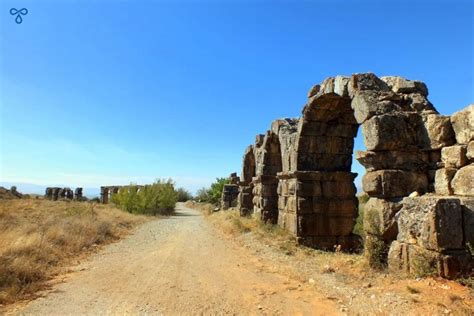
column 38, row 237
column 230, row 222
column 337, row 273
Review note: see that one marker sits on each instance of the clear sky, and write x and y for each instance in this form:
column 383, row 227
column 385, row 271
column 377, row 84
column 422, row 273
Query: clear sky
column 107, row 92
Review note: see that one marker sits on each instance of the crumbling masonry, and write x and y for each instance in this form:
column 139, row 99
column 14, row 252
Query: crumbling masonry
column 55, row 193
column 419, row 174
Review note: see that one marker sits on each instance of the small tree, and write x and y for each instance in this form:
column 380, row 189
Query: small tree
column 157, row 198
column 214, row 193
column 183, row 195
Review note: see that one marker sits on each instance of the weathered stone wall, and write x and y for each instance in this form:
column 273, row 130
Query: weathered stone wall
column 411, row 150
column 106, row 193
column 245, row 197
column 436, row 231
column 230, row 192
column 265, row 182
column 55, row 193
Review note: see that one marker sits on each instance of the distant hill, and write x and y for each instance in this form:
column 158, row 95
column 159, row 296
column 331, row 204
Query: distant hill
column 30, row 188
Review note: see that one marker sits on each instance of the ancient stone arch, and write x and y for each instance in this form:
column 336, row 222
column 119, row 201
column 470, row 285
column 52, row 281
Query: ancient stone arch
column 411, row 150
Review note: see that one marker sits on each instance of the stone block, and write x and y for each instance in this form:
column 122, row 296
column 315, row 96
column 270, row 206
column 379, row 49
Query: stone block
column 431, row 222
column 379, row 218
column 463, row 124
column 467, row 204
column 308, row 188
column 315, row 128
column 418, row 102
column 398, row 259
column 347, row 207
column 394, row 131
column 324, row 162
column 366, row 81
column 423, row 262
column 366, row 104
column 394, row 183
column 322, row 225
column 463, row 181
column 340, row 86
column 401, row 160
column 318, row 242
column 454, row 156
column 470, row 150
column 436, row 132
column 288, row 222
column 402, row 85
column 338, row 189
column 325, row 145
column 314, row 90
column 443, row 179
column 455, row 264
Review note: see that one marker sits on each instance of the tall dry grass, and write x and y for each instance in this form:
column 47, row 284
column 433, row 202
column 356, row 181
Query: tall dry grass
column 231, row 223
column 38, row 237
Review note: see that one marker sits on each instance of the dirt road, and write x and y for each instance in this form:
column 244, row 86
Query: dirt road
column 178, row 265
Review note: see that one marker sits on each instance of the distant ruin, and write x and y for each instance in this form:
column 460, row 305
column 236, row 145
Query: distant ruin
column 419, row 174
column 106, row 192
column 56, row 193
column 230, row 192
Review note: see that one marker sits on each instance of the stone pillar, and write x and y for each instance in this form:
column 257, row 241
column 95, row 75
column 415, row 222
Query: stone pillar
column 78, row 194
column 265, row 183
column 104, row 195
column 265, row 198
column 69, row 194
column 229, row 195
column 245, row 198
column 55, row 193
column 48, row 195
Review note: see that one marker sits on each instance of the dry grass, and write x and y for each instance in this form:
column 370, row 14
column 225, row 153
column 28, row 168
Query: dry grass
column 37, row 237
column 231, row 223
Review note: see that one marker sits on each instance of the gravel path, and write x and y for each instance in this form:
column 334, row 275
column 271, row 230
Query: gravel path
column 178, row 265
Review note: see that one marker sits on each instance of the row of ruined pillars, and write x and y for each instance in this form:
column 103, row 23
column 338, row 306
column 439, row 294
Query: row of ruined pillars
column 56, row 193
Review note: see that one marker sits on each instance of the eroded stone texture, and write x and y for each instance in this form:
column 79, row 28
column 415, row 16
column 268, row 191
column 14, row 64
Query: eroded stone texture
column 379, row 218
column 402, row 85
column 229, row 195
column 454, row 156
column 399, row 160
column 463, row 124
column 436, row 131
column 443, row 179
column 470, row 151
column 394, row 183
column 394, row 131
column 431, row 222
column 463, row 181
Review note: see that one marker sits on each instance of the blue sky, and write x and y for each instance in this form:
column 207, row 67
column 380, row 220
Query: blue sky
column 108, row 92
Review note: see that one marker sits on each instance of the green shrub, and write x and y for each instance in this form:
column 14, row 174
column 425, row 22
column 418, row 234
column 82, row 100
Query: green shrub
column 214, row 193
column 183, row 195
column 157, row 198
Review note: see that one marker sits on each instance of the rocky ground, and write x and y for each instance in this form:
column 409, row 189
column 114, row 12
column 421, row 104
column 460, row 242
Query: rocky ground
column 184, row 265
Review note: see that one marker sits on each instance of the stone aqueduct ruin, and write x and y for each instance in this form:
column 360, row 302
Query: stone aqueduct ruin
column 419, row 175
